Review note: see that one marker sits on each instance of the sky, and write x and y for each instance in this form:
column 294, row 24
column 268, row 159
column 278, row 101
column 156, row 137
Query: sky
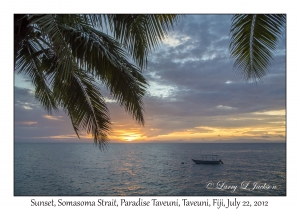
column 194, row 95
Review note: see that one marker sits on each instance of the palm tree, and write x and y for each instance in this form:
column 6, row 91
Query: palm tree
column 67, row 56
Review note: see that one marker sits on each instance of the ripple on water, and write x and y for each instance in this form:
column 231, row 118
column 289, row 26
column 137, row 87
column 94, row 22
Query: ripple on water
column 145, row 169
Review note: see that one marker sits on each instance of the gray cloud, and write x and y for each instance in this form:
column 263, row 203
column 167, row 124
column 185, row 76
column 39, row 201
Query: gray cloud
column 201, row 83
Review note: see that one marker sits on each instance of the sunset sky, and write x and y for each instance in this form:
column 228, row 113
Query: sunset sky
column 194, row 95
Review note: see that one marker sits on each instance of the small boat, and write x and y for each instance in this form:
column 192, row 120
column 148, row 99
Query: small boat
column 209, row 159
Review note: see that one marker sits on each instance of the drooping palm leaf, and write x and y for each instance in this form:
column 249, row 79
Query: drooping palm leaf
column 139, row 33
column 80, row 98
column 253, row 40
column 103, row 57
column 50, row 27
column 28, row 61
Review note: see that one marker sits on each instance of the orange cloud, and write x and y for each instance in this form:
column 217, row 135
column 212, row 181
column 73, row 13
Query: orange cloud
column 26, row 123
column 52, row 117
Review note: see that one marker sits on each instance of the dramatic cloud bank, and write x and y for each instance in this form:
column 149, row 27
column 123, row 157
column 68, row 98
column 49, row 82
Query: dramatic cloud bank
column 194, row 95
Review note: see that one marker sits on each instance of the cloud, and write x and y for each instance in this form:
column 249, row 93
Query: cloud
column 36, row 122
column 25, row 123
column 49, row 117
column 225, row 107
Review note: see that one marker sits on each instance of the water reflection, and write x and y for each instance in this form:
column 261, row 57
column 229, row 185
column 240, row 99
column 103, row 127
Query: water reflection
column 144, row 169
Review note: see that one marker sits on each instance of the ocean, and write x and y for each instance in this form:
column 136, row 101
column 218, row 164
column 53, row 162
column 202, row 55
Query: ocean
column 72, row 169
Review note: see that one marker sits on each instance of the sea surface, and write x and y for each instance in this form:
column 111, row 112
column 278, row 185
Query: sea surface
column 59, row 169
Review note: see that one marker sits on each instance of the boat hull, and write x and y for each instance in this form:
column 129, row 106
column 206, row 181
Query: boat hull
column 206, row 161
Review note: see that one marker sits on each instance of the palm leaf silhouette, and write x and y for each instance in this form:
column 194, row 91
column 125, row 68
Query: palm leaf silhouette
column 253, row 40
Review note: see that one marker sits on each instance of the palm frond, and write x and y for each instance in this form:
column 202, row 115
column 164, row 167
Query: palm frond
column 80, row 97
column 29, row 62
column 103, row 57
column 140, row 33
column 253, row 40
column 49, row 27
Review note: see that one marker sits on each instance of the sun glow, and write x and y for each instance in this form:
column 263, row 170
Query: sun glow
column 130, row 136
column 272, row 112
column 267, row 126
column 223, row 133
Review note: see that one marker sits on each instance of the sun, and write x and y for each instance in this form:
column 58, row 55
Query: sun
column 130, row 139
column 131, row 136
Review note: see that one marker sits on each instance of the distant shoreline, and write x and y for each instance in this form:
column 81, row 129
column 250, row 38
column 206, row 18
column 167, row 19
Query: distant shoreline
column 260, row 142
